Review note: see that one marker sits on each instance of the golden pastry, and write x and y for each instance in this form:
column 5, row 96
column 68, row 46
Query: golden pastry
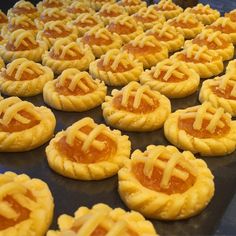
column 168, row 35
column 204, row 13
column 231, row 67
column 231, row 15
column 66, row 54
column 88, row 151
column 101, row 40
column 77, row 8
column 126, row 27
column 202, row 129
column 54, row 30
column 97, row 4
column 215, row 41
column 26, row 205
column 2, row 64
column 74, row 90
column 147, row 49
column 24, row 78
column 3, row 19
column 136, row 108
column 103, row 220
column 163, row 183
column 22, row 44
column 168, row 9
column 132, row 6
column 46, row 4
column 171, row 78
column 205, row 62
column 148, row 17
column 116, row 68
column 24, row 126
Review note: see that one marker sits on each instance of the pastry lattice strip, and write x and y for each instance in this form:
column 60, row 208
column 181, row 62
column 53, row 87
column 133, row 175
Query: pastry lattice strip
column 135, row 2
column 125, row 20
column 21, row 20
column 145, row 40
column 212, row 36
column 165, row 3
column 86, row 18
column 79, row 5
column 23, row 4
column 109, row 8
column 196, row 52
column 100, row 33
column 52, row 12
column 57, row 26
column 223, row 22
column 203, row 8
column 186, row 18
column 226, row 80
column 164, row 31
column 149, row 12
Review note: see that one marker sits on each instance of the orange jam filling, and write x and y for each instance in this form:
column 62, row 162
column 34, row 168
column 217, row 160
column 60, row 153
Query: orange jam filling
column 120, row 29
column 171, row 79
column 24, row 76
column 109, row 14
column 176, row 185
column 64, row 90
column 120, row 68
column 85, row 24
column 54, row 34
column 66, row 57
column 77, row 10
column 92, row 155
column 232, row 16
column 12, row 28
column 226, row 93
column 22, row 10
column 46, row 18
column 52, row 4
column 187, row 126
column 136, row 50
column 181, row 24
column 99, row 231
column 92, row 40
column 144, row 19
column 210, row 45
column 183, row 57
column 3, row 19
column 11, row 47
column 143, row 108
column 161, row 38
column 226, row 29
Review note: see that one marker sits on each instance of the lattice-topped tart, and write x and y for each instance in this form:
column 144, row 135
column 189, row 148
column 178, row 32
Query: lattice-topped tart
column 66, row 54
column 102, row 220
column 205, row 62
column 24, row 126
column 172, row 78
column 46, row 4
column 168, row 9
column 148, row 17
column 126, row 27
column 24, row 78
column 231, row 15
column 88, row 151
column 147, row 49
column 168, row 35
column 101, row 40
column 202, row 129
column 3, row 19
column 26, row 205
column 116, row 68
column 74, row 90
column 215, row 41
column 76, row 8
column 136, row 108
column 163, row 183
column 132, row 6
column 22, row 44
column 97, row 4
column 204, row 13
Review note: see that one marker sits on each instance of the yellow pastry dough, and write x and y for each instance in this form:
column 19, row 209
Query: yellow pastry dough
column 205, row 62
column 148, row 17
column 103, row 220
column 22, row 44
column 74, row 91
column 231, row 15
column 231, row 67
column 204, row 13
column 136, row 108
column 172, row 78
column 66, row 54
column 24, row 78
column 77, row 8
column 97, row 4
column 202, row 129
column 147, row 49
column 132, row 6
column 168, row 35
column 3, row 19
column 126, row 27
column 46, row 4
column 116, row 68
column 168, row 9
column 26, row 205
column 187, row 24
column 215, row 41
column 88, row 151
column 163, row 183
column 101, row 40
column 24, row 126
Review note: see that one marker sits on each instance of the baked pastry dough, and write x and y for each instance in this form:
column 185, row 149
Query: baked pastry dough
column 202, row 129
column 231, row 68
column 147, row 49
column 132, row 6
column 46, row 4
column 3, row 19
column 24, row 78
column 66, row 54
column 205, row 62
column 88, row 151
column 126, row 27
column 168, row 35
column 2, row 64
column 136, row 108
column 54, row 30
column 24, row 126
column 204, row 13
column 116, row 68
column 148, row 17
column 22, row 44
column 97, row 4
column 172, row 78
column 215, row 41
column 168, row 9
column 103, row 220
column 26, row 205
column 77, row 8
column 101, row 40
column 231, row 15
column 74, row 91
column 163, row 183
